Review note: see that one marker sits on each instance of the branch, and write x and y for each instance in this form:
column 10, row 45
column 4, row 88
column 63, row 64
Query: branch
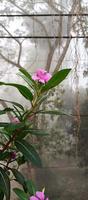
column 20, row 49
column 51, row 4
column 6, row 146
column 9, row 61
column 9, row 32
column 53, row 48
column 69, row 26
column 62, row 56
column 20, row 52
column 35, row 19
column 57, row 41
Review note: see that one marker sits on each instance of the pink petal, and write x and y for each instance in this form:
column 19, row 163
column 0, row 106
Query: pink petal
column 47, row 198
column 40, row 195
column 41, row 80
column 42, row 76
column 35, row 77
column 41, row 71
column 33, row 198
column 47, row 77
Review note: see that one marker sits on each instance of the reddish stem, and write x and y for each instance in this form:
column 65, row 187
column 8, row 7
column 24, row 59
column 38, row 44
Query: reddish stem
column 8, row 143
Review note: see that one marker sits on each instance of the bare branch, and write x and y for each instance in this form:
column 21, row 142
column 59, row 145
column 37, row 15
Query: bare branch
column 9, row 33
column 54, row 5
column 36, row 19
column 9, row 61
column 69, row 26
column 20, row 50
column 53, row 48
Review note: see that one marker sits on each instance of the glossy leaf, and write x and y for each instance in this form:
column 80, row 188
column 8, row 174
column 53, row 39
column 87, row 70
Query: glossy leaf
column 21, row 135
column 21, row 160
column 23, row 71
column 19, row 177
column 56, row 79
column 4, row 155
column 14, row 103
column 21, row 194
column 9, row 128
column 4, row 111
column 28, row 151
column 42, row 99
column 1, row 195
column 27, row 77
column 37, row 132
column 4, row 124
column 22, row 89
column 5, row 183
column 52, row 112
column 12, row 127
column 30, row 187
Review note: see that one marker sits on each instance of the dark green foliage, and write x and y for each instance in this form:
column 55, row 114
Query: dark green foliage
column 21, row 194
column 5, row 183
column 19, row 177
column 29, row 152
column 22, row 89
column 31, row 188
column 15, row 132
column 56, row 79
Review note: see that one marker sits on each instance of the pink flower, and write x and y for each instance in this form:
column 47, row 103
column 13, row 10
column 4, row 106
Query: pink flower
column 38, row 196
column 41, row 76
column 15, row 120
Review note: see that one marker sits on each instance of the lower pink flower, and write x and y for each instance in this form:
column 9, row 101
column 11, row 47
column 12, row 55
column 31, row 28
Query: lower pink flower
column 38, row 196
column 15, row 120
column 41, row 76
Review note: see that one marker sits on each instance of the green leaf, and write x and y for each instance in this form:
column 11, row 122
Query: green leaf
column 22, row 89
column 5, row 183
column 52, row 112
column 31, row 188
column 10, row 127
column 4, row 155
column 21, row 194
column 42, row 99
column 23, row 71
column 27, row 77
column 19, row 177
column 1, row 195
column 21, row 160
column 37, row 132
column 17, row 112
column 28, row 151
column 4, row 111
column 22, row 135
column 56, row 79
column 14, row 103
column 4, row 124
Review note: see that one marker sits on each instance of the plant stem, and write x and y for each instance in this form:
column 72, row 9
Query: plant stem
column 8, row 143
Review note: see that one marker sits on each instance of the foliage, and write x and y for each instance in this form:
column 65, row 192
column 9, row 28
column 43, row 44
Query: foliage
column 14, row 147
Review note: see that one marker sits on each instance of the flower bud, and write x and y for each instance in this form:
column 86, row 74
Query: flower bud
column 13, row 155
